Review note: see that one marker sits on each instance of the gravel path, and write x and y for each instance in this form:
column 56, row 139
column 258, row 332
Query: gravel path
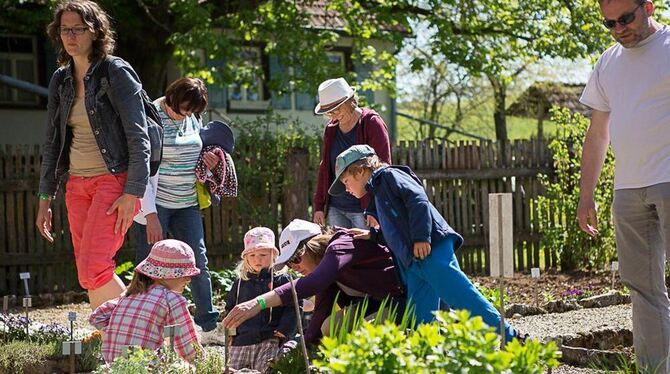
column 546, row 326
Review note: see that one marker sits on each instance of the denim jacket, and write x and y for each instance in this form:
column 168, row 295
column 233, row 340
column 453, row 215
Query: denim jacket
column 116, row 114
column 404, row 213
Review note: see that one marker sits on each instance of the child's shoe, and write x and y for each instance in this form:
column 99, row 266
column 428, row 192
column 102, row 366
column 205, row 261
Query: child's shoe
column 212, row 337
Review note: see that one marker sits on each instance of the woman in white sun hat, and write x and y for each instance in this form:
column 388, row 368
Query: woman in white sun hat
column 334, row 266
column 348, row 124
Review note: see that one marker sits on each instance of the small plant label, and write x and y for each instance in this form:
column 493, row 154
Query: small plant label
column 72, row 316
column 535, row 273
column 28, row 302
column 24, row 277
column 615, row 265
column 72, row 347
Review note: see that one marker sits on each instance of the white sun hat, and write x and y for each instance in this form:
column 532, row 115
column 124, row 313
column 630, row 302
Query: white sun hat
column 296, row 231
column 332, row 94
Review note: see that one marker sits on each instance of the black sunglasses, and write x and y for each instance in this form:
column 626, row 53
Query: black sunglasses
column 297, row 255
column 624, row 20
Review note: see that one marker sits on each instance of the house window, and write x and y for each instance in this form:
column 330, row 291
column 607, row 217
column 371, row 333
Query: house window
column 337, row 58
column 18, row 59
column 251, row 96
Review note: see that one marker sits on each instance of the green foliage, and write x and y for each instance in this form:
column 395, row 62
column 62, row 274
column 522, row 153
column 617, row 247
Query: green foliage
column 125, row 271
column 261, row 151
column 24, row 357
column 454, row 342
column 291, row 362
column 492, row 295
column 141, row 361
column 558, row 205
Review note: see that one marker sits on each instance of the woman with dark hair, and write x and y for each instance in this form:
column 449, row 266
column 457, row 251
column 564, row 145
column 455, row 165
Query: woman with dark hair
column 170, row 204
column 335, row 267
column 96, row 133
column 348, row 124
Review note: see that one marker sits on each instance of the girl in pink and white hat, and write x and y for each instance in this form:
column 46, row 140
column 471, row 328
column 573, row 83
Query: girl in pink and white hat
column 152, row 301
column 258, row 339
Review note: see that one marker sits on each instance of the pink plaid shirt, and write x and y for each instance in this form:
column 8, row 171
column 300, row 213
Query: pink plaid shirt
column 138, row 320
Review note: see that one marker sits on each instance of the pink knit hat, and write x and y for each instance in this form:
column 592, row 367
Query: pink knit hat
column 259, row 238
column 169, row 259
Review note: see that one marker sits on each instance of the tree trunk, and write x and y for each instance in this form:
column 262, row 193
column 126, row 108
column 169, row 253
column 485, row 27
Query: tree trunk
column 499, row 118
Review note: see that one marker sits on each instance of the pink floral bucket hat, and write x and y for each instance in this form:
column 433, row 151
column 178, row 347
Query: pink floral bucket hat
column 169, row 259
column 259, row 238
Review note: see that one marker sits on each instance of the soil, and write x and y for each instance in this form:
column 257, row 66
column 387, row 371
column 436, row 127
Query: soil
column 552, row 286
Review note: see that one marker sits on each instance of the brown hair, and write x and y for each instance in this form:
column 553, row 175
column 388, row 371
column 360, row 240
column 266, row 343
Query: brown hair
column 139, row 284
column 315, row 247
column 370, row 162
column 189, row 91
column 95, row 18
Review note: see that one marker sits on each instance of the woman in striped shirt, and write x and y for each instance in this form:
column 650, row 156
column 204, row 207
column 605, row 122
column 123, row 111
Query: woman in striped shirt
column 170, row 204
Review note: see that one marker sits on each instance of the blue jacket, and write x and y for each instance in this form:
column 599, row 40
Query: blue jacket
column 116, row 114
column 404, row 213
column 263, row 325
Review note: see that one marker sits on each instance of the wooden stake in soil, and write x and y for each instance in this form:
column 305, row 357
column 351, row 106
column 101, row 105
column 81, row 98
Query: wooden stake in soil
column 5, row 304
column 615, row 268
column 72, row 347
column 501, row 247
column 169, row 332
column 299, row 317
column 27, row 304
column 535, row 274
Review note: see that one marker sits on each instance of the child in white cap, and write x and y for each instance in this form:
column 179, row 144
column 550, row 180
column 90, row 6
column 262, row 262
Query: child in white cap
column 152, row 301
column 258, row 339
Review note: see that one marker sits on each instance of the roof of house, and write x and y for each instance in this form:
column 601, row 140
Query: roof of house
column 548, row 94
column 321, row 17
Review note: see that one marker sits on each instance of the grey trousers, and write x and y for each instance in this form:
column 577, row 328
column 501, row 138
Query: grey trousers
column 642, row 226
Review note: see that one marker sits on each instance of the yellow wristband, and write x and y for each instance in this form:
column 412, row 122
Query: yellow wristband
column 261, row 302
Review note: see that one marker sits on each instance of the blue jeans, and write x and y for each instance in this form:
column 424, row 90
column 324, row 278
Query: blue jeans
column 439, row 278
column 347, row 220
column 186, row 225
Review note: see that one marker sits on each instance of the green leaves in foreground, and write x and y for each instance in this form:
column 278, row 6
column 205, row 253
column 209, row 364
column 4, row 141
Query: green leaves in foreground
column 455, row 343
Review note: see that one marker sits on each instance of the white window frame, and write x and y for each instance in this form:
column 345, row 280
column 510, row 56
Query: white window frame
column 244, row 103
column 13, row 58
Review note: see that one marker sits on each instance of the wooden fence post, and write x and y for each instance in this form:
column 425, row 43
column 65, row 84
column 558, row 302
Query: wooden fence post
column 295, row 199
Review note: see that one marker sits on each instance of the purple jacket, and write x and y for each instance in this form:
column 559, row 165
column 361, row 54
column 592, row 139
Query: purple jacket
column 373, row 132
column 358, row 264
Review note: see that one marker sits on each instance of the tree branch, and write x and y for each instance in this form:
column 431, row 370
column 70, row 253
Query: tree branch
column 151, row 17
column 488, row 30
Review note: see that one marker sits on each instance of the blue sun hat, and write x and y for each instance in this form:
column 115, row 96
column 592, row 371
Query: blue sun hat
column 220, row 134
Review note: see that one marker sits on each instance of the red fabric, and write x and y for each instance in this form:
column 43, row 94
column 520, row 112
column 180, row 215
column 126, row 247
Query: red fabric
column 93, row 238
column 139, row 320
column 372, row 130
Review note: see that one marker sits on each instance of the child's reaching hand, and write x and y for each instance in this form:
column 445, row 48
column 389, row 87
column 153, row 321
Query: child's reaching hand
column 421, row 250
column 359, row 233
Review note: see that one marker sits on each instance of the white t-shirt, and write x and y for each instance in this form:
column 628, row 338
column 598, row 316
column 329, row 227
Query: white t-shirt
column 633, row 84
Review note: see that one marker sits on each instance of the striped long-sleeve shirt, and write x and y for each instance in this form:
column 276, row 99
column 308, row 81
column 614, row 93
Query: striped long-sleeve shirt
column 181, row 148
column 139, row 320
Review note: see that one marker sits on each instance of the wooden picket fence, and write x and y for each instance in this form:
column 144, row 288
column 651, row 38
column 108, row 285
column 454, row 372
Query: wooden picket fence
column 457, row 177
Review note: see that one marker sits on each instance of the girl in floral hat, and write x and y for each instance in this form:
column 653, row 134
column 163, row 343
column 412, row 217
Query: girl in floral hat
column 151, row 302
column 258, row 339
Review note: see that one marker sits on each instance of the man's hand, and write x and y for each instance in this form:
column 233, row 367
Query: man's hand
column 421, row 250
column 587, row 215
column 43, row 220
column 371, row 221
column 125, row 205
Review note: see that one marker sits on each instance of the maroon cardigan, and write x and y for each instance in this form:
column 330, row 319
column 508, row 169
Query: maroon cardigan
column 373, row 132
column 359, row 264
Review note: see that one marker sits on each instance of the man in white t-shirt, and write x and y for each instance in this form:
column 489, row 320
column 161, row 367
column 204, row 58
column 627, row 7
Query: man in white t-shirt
column 629, row 92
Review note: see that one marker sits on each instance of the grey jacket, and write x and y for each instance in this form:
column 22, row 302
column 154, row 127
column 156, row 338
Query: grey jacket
column 116, row 114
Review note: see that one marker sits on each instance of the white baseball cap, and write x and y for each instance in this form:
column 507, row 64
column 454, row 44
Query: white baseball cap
column 290, row 238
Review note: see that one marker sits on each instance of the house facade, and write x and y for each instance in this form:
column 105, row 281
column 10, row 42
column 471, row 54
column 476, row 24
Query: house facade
column 31, row 58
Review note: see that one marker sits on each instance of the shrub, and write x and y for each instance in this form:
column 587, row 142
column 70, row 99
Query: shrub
column 454, row 342
column 558, row 205
column 26, row 357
